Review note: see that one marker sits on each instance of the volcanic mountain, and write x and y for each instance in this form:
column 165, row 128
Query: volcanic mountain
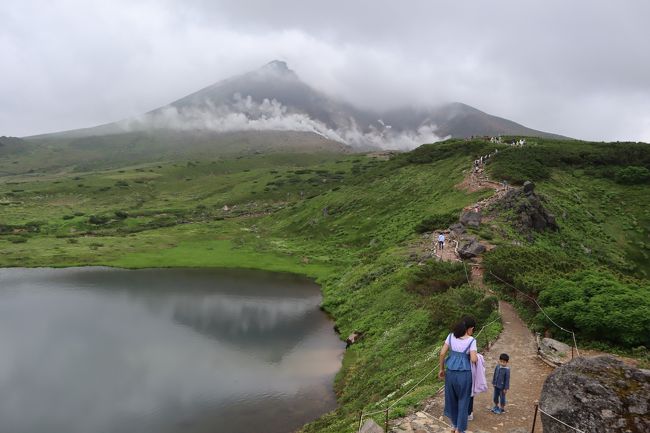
column 272, row 109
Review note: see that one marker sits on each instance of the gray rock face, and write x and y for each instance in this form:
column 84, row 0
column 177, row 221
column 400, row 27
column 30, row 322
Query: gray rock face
column 471, row 219
column 470, row 248
column 597, row 395
column 529, row 187
column 553, row 351
column 371, row 427
column 528, row 208
column 457, row 229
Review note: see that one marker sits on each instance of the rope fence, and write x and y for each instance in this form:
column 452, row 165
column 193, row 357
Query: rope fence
column 390, row 406
column 537, row 408
column 573, row 335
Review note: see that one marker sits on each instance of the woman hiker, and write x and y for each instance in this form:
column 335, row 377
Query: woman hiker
column 458, row 372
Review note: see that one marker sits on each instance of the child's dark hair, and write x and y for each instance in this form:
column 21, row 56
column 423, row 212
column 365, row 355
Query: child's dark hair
column 461, row 327
column 504, row 357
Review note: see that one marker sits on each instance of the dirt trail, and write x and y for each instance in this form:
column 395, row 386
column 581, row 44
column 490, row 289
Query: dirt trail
column 528, row 372
column 527, row 376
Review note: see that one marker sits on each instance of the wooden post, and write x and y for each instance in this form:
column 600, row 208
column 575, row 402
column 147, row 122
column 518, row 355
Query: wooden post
column 535, row 417
column 386, row 423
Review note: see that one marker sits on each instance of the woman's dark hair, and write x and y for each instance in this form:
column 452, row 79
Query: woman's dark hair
column 461, row 327
column 470, row 322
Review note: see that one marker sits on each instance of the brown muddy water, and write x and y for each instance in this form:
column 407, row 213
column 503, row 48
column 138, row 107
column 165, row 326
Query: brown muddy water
column 162, row 350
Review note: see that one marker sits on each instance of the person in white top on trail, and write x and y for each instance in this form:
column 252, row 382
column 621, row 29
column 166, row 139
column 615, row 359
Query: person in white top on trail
column 441, row 241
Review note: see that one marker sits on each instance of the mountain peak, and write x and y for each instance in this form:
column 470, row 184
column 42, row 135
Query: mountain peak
column 277, row 65
column 277, row 68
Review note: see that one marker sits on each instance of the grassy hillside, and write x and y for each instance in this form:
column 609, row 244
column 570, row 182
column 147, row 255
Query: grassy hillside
column 77, row 152
column 352, row 222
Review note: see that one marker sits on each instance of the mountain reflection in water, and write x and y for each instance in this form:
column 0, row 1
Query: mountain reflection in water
column 162, row 350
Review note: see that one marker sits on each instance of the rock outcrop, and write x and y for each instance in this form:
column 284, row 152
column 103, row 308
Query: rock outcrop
column 528, row 209
column 553, row 352
column 471, row 218
column 597, row 395
column 353, row 338
column 470, row 248
column 457, row 229
column 371, row 426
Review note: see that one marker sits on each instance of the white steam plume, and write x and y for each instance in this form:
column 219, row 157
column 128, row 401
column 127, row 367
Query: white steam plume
column 245, row 114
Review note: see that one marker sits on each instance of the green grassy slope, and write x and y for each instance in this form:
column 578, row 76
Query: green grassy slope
column 351, row 222
column 53, row 153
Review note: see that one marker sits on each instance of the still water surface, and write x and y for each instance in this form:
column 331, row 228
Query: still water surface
column 162, row 350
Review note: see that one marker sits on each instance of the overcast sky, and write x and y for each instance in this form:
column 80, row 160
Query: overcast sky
column 577, row 68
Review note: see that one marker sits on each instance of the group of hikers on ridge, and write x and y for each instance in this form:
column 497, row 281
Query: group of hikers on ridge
column 464, row 374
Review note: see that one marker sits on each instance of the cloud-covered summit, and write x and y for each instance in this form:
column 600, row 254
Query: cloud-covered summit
column 274, row 98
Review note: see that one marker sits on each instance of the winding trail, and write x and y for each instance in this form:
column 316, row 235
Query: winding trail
column 528, row 372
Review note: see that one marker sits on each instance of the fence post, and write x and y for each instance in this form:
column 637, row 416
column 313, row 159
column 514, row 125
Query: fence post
column 386, row 423
column 535, row 417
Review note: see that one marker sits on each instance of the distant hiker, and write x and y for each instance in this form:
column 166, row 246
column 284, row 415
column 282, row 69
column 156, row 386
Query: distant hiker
column 457, row 372
column 441, row 241
column 501, row 382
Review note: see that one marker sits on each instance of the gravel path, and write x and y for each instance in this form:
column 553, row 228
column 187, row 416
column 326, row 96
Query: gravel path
column 527, row 376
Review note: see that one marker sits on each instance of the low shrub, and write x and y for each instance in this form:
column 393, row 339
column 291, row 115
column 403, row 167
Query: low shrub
column 632, row 175
column 437, row 221
column 448, row 307
column 17, row 239
column 521, row 164
column 526, row 266
column 437, row 277
column 599, row 306
column 98, row 219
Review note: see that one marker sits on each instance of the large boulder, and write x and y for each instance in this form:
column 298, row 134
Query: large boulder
column 553, row 352
column 471, row 218
column 529, row 187
column 457, row 229
column 470, row 248
column 597, row 395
